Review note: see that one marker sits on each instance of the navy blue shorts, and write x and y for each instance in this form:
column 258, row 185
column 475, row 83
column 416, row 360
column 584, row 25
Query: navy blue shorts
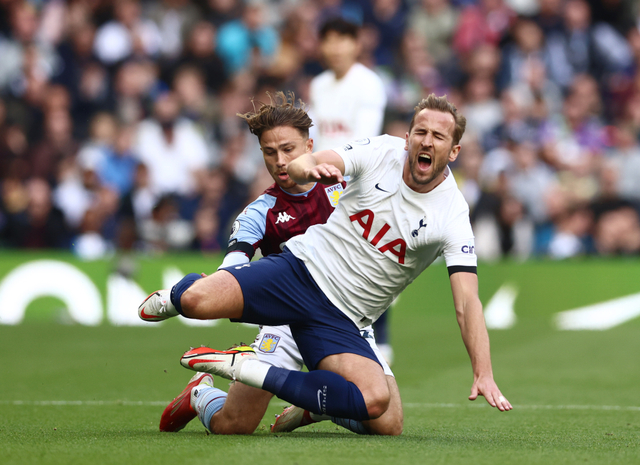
column 278, row 290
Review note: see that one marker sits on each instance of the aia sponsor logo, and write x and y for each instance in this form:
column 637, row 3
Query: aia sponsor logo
column 397, row 247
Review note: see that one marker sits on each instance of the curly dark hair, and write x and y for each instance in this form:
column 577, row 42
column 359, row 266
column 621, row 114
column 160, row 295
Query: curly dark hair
column 280, row 111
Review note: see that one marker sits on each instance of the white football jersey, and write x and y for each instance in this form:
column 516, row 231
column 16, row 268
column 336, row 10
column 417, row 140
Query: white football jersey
column 346, row 109
column 383, row 234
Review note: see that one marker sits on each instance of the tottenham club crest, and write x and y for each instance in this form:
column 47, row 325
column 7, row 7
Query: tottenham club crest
column 333, row 193
column 269, row 343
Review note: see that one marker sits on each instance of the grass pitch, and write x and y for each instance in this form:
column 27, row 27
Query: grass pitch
column 74, row 394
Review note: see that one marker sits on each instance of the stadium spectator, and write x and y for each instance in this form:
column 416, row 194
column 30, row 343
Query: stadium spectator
column 24, row 56
column 200, row 53
column 172, row 149
column 434, row 22
column 37, row 224
column 248, row 43
column 173, row 18
column 57, row 146
column 127, row 35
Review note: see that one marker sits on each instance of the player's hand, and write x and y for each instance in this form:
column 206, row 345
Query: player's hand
column 324, row 173
column 486, row 386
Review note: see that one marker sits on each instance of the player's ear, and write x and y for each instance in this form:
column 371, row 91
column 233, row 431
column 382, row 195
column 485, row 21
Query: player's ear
column 455, row 150
column 406, row 141
column 310, row 145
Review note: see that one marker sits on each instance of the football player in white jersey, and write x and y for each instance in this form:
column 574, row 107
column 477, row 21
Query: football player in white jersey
column 348, row 99
column 401, row 210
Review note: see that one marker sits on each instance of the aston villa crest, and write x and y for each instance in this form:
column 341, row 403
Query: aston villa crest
column 333, row 193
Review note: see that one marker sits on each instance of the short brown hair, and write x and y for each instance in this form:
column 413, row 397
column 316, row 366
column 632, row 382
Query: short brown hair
column 442, row 104
column 280, row 111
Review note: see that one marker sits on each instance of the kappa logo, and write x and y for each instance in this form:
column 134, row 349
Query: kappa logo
column 269, row 343
column 284, row 217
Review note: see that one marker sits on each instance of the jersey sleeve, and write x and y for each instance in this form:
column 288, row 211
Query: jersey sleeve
column 249, row 227
column 360, row 155
column 459, row 246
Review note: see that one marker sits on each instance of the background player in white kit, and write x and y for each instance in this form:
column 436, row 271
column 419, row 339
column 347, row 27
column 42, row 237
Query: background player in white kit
column 402, row 210
column 348, row 102
column 284, row 210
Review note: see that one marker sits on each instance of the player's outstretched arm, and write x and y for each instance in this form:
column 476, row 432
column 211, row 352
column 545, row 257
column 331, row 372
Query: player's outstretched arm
column 325, row 166
column 476, row 339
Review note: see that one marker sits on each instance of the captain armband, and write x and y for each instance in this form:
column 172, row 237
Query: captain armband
column 235, row 246
column 465, row 269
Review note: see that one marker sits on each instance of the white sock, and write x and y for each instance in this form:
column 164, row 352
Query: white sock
column 252, row 373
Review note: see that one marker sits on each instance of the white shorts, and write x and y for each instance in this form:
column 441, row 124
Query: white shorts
column 275, row 346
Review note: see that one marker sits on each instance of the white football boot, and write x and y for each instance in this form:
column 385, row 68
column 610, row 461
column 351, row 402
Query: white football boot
column 157, row 307
column 224, row 363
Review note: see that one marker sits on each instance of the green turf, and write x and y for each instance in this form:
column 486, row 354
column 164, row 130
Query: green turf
column 575, row 393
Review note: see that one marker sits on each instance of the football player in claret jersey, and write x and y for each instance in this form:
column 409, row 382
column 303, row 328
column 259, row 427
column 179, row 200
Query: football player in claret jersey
column 284, row 210
column 401, row 211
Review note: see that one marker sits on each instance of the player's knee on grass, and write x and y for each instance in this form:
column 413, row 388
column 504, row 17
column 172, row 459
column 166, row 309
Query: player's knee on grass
column 391, row 423
column 377, row 398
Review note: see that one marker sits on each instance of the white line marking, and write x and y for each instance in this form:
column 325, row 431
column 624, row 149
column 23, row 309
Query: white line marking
column 600, row 316
column 410, row 405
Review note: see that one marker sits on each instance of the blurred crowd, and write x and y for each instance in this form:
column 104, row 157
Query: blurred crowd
column 118, row 126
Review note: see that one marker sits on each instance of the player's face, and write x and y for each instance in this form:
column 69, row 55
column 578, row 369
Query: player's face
column 280, row 146
column 430, row 147
column 340, row 52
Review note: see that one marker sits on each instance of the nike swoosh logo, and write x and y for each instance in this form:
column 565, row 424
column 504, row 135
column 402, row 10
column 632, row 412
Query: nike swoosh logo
column 381, row 189
column 147, row 316
column 319, row 402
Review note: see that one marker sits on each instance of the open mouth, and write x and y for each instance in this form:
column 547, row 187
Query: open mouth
column 283, row 176
column 424, row 161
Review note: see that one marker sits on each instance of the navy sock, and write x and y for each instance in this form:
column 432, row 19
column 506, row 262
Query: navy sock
column 322, row 392
column 182, row 285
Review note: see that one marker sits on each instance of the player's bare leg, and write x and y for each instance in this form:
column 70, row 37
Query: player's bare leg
column 196, row 296
column 242, row 412
column 214, row 297
column 392, row 421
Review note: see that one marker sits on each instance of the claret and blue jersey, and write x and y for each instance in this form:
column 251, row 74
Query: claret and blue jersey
column 277, row 216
